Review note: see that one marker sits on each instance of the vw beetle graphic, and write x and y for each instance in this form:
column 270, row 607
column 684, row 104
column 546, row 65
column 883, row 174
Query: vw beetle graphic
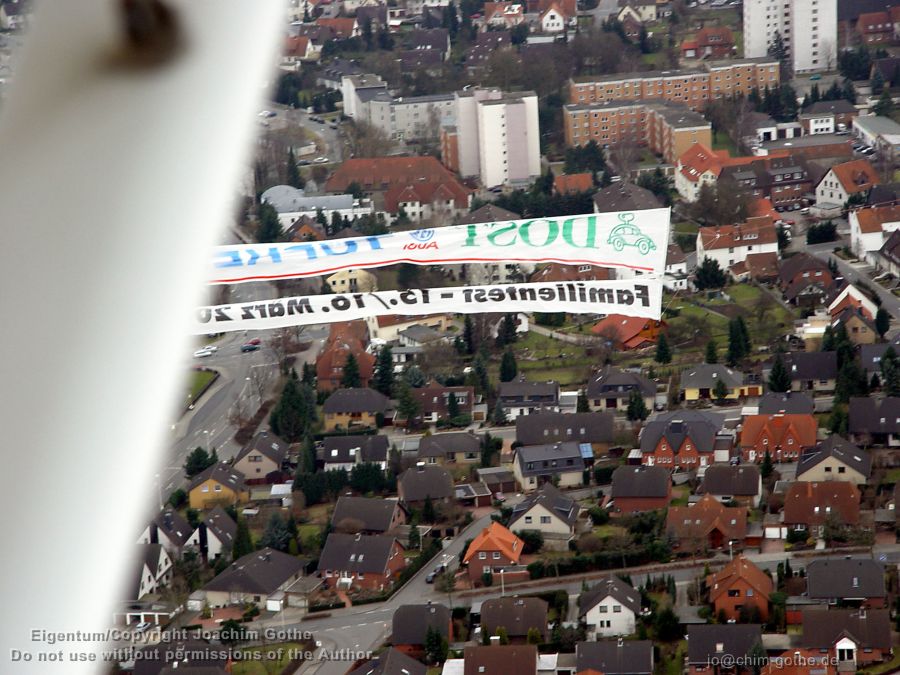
column 627, row 234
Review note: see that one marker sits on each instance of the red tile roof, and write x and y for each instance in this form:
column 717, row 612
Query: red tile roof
column 297, row 46
column 739, row 568
column 811, row 503
column 343, row 27
column 707, row 515
column 576, row 182
column 754, row 232
column 627, row 329
column 874, row 22
column 714, row 36
column 872, row 219
column 777, row 428
column 495, row 537
column 856, row 176
column 560, row 272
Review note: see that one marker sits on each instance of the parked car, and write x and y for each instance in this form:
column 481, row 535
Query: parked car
column 212, row 348
column 254, row 341
column 321, row 160
column 142, row 627
column 200, row 353
column 816, row 77
column 249, row 347
column 267, row 113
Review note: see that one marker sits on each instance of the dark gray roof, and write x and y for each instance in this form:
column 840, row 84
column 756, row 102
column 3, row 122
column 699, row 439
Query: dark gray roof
column 149, row 555
column 547, row 460
column 344, row 449
column 706, row 375
column 613, row 657
column 869, row 629
column 259, row 573
column 554, row 427
column 840, row 449
column 789, row 403
column 849, row 10
column 438, row 445
column 625, row 197
column 419, row 482
column 434, row 38
column 550, row 498
column 176, row 528
column 845, row 578
column 821, row 107
column 221, row 472
column 870, row 355
column 736, row 640
column 615, row 383
column 612, row 586
column 530, row 391
column 737, row 481
column 374, row 514
column 411, row 623
column 391, row 662
column 811, row 365
column 699, row 427
column 516, row 615
column 640, row 481
column 867, row 415
column 368, row 554
column 356, row 400
column 266, row 443
column 489, row 213
column 220, row 524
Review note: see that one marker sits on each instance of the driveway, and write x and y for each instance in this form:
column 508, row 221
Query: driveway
column 856, row 273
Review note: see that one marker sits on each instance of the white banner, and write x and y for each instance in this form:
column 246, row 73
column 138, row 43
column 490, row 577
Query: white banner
column 632, row 297
column 635, row 240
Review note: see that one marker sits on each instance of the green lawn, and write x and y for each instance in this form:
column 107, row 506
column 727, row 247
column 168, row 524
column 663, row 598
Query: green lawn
column 607, row 531
column 543, row 358
column 199, row 380
column 265, row 660
column 680, row 495
column 891, row 476
column 722, row 141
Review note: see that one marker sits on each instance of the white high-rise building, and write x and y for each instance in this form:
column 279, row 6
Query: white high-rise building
column 496, row 137
column 808, row 28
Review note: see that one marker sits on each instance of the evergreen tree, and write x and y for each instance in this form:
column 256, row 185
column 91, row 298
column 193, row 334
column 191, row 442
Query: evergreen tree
column 309, row 374
column 351, row 377
column 415, row 539
column 848, row 91
column 414, row 377
column 469, row 334
column 293, row 414
column 308, row 456
column 637, row 409
column 294, row 179
column 885, row 104
column 882, row 322
column 269, row 228
column 712, row 354
column 322, row 220
column 198, row 461
column 890, row 372
column 851, row 381
column 408, row 405
column 429, row 515
column 779, row 378
column 508, row 367
column 276, row 534
column 482, row 378
column 243, row 543
column 877, row 82
column 828, row 340
column 499, row 416
column 746, row 345
column 720, row 391
column 583, row 405
column 384, row 371
column 709, row 275
column 452, row 406
column 766, row 468
column 663, row 352
column 506, row 331
column 336, row 222
column 838, row 421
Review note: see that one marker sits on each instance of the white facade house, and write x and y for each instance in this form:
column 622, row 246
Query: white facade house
column 552, row 21
column 870, row 227
column 357, row 89
column 807, row 27
column 409, row 118
column 881, row 133
column 292, row 203
column 731, row 244
column 609, row 609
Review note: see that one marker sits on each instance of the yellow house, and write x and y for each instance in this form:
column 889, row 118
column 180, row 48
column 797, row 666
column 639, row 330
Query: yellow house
column 354, row 408
column 219, row 485
column 701, row 382
column 352, row 281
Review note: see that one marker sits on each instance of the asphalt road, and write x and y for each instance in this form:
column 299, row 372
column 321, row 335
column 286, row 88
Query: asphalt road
column 330, row 138
column 888, row 300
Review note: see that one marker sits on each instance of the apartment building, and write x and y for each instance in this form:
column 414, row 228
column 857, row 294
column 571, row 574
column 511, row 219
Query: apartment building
column 807, row 27
column 689, row 87
column 407, row 118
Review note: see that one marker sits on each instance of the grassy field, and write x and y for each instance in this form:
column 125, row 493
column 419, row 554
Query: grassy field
column 199, row 380
column 607, row 531
column 722, row 141
column 543, row 358
column 269, row 659
column 680, row 495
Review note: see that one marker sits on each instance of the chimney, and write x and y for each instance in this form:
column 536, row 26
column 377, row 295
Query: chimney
column 420, row 467
column 495, row 640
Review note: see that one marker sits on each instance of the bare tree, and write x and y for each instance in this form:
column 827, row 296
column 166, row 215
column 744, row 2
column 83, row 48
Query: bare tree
column 365, row 140
column 239, row 414
column 260, row 377
column 826, row 53
column 624, row 156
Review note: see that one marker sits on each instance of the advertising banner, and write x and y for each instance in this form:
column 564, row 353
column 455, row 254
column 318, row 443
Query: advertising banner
column 632, row 297
column 635, row 240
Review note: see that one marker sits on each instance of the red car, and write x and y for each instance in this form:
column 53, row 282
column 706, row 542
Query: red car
column 254, row 341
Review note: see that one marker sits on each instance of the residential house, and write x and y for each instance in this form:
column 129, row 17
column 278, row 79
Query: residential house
column 808, row 506
column 296, row 50
column 731, row 244
column 503, row 14
column 343, row 27
column 790, row 403
column 560, row 463
column 434, row 403
column 348, row 409
column 389, row 327
column 352, row 281
column 741, row 591
column 361, row 561
column 421, row 336
column 805, row 280
column 214, row 537
column 552, row 20
column 218, row 485
column 191, row 656
column 493, row 549
column 610, row 608
column 870, row 356
column 847, row 581
column 709, row 643
column 344, row 339
column 345, row 452
column 708, row 524
column 854, row 637
column 859, row 325
column 799, row 662
column 524, row 398
column 331, row 75
column 498, row 479
column 846, row 180
column 875, row 28
column 611, row 389
column 594, row 429
column 500, row 660
column 517, row 616
column 411, row 623
column 835, row 459
column 568, row 184
column 852, row 297
column 390, row 662
column 874, row 422
column 645, row 10
column 628, row 332
column 422, row 482
column 304, row 229
column 870, row 226
column 740, row 483
column 698, row 166
column 431, row 39
column 684, row 439
column 557, row 272
column 367, row 515
column 153, row 571
column 614, row 657
column 549, row 512
column 457, row 447
column 482, row 274
column 826, row 117
column 624, row 196
column 782, row 177
column 700, row 383
column 256, row 578
column 293, row 204
column 170, row 530
column 636, row 489
column 262, row 459
column 783, row 437
column 715, row 42
column 675, row 277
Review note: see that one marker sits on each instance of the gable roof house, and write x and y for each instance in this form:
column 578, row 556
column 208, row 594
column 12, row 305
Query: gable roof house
column 739, row 588
column 636, row 489
column 391, row 662
column 367, row 515
column 628, row 332
column 170, row 530
column 214, row 537
column 874, row 422
column 855, row 581
column 258, row 578
column 611, row 388
column 835, row 459
column 791, row 403
column 345, row 452
column 455, row 447
column 549, row 512
column 353, row 408
column 434, row 403
column 726, row 482
column 333, row 358
column 808, row 506
column 846, row 180
column 859, row 325
column 708, row 524
column 707, row 644
column 500, row 660
column 855, row 637
column 411, row 623
column 609, row 608
column 715, row 42
column 152, row 571
column 574, row 183
column 814, row 372
column 684, row 439
column 494, row 548
column 422, row 481
column 262, row 459
column 218, row 485
column 592, row 428
column 517, row 615
column 614, row 657
column 535, row 465
column 361, row 561
column 525, row 398
column 805, row 280
column 624, row 196
column 698, row 383
column 729, row 245
column 870, row 226
column 784, row 437
column 852, row 297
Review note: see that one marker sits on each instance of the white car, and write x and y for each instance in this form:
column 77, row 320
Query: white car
column 200, row 353
column 267, row 113
column 321, row 160
column 211, row 348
